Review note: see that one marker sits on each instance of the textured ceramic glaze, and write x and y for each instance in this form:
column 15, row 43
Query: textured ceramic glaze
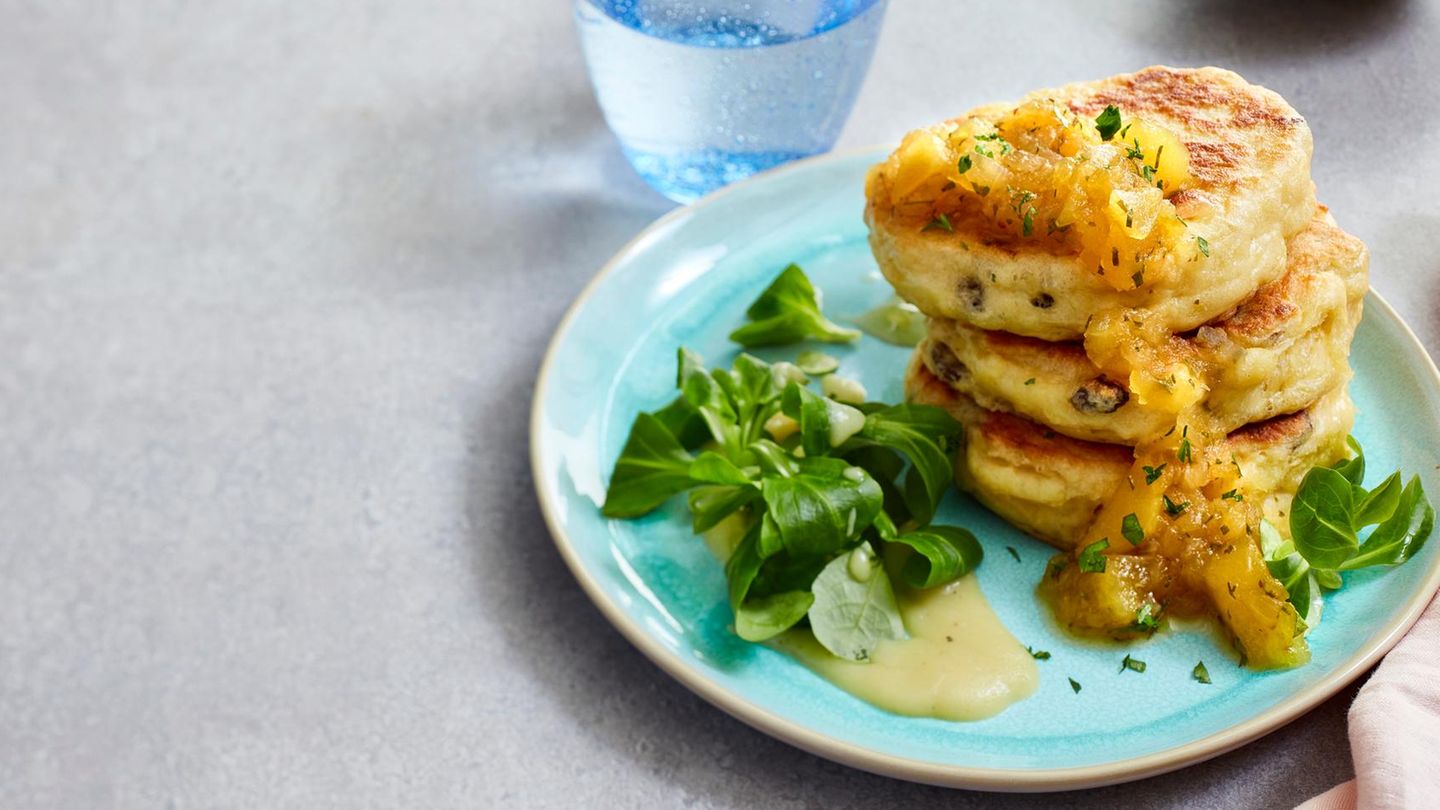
column 686, row 281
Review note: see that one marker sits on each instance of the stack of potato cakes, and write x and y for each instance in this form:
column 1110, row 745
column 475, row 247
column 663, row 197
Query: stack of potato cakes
column 1129, row 262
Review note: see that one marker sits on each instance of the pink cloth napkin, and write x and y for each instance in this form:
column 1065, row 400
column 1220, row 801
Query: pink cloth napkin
column 1395, row 729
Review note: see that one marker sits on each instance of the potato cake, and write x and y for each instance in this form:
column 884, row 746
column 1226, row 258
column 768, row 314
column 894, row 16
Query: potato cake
column 1168, row 190
column 1274, row 354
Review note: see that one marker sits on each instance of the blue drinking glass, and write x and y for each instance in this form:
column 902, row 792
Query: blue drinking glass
column 702, row 94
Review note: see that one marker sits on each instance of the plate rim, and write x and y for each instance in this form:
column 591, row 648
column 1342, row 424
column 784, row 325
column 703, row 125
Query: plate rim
column 911, row 769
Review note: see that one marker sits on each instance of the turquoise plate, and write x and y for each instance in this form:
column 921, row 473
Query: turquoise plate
column 686, row 280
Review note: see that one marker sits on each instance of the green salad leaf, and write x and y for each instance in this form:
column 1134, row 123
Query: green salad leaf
column 712, row 468
column 788, row 311
column 824, row 506
column 942, row 554
column 1399, row 535
column 817, row 487
column 1378, row 504
column 652, row 468
column 743, row 566
column 684, row 423
column 824, row 423
column 811, row 411
column 1320, row 518
column 765, row 617
column 1331, row 507
column 1328, row 516
column 855, row 607
column 1294, row 573
column 752, row 390
column 926, row 437
column 1352, row 468
column 887, row 467
column 703, row 393
column 773, row 459
column 710, row 505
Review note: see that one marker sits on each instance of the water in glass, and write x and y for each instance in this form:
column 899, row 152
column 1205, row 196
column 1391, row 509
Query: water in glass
column 702, row 94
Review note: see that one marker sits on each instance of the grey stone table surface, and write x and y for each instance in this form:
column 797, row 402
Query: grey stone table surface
column 275, row 280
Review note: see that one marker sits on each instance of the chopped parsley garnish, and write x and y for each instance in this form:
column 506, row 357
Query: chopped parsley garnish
column 1013, row 553
column 981, row 150
column 1184, row 452
column 1027, row 225
column 1130, row 528
column 1174, row 508
column 1135, row 152
column 1152, row 474
column 963, row 164
column 1132, row 664
column 1232, row 495
column 1030, row 381
column 1145, row 619
column 1074, row 685
column 1107, row 123
column 1092, row 557
column 940, row 221
column 1203, row 245
column 1005, row 147
column 1038, row 655
column 1200, row 673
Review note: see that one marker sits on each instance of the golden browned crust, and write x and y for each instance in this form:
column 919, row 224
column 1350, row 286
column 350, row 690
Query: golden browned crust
column 1045, row 446
column 1319, row 249
column 1225, row 121
column 1286, row 430
column 1021, row 345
